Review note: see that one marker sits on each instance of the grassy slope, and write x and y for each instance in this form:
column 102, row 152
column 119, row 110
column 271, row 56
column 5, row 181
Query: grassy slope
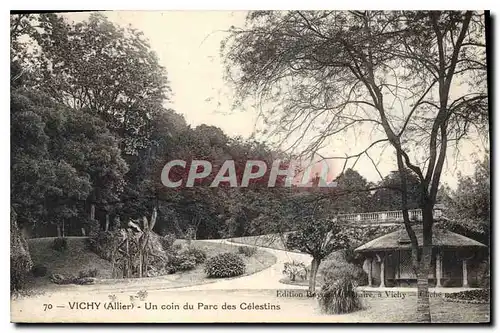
column 273, row 241
column 77, row 257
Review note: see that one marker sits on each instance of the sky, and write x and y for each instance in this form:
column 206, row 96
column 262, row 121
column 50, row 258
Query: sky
column 188, row 44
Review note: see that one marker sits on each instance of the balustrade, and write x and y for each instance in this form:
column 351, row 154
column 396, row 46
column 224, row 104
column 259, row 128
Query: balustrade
column 395, row 216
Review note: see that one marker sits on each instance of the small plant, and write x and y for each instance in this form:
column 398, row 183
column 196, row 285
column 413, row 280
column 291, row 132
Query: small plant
column 224, row 265
column 295, row 269
column 247, row 251
column 177, row 247
column 39, row 270
column 199, row 255
column 339, row 296
column 60, row 244
column 187, row 265
column 181, row 261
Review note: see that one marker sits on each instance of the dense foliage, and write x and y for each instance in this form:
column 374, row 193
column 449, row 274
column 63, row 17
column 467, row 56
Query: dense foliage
column 20, row 259
column 224, row 265
column 339, row 296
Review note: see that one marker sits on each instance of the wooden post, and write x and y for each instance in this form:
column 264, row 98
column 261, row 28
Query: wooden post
column 465, row 281
column 370, row 272
column 92, row 212
column 438, row 268
column 382, row 271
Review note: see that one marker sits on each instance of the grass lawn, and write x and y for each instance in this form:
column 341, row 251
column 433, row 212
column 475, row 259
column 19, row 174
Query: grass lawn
column 77, row 257
column 398, row 309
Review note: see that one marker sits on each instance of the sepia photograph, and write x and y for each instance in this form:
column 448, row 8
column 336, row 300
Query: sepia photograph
column 262, row 166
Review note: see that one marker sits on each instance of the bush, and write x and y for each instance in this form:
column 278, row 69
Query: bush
column 104, row 243
column 478, row 296
column 199, row 255
column 338, row 270
column 60, row 244
column 39, row 270
column 181, row 261
column 248, row 251
column 295, row 269
column 61, row 279
column 187, row 264
column 224, row 265
column 88, row 273
column 20, row 259
column 339, row 296
column 167, row 241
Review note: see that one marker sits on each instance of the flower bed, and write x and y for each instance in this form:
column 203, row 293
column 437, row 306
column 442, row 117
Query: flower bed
column 479, row 296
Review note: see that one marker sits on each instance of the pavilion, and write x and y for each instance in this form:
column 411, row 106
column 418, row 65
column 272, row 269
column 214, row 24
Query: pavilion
column 456, row 259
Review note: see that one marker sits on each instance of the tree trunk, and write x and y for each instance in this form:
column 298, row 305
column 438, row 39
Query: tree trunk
column 312, row 278
column 58, row 231
column 423, row 306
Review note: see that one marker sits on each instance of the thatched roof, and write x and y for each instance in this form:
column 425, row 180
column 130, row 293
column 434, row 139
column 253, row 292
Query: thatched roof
column 399, row 240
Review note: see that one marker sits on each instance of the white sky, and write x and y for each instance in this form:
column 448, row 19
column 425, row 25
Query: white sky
column 188, row 43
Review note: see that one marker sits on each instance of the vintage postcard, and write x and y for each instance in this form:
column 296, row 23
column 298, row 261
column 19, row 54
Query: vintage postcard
column 250, row 167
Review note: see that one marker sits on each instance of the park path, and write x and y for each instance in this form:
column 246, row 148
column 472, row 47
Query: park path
column 266, row 279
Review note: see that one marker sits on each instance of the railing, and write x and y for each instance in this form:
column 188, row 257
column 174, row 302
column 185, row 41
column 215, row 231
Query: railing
column 395, row 216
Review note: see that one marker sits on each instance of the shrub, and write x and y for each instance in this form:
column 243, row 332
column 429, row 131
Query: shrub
column 478, row 295
column 61, row 279
column 338, row 270
column 20, row 259
column 104, row 243
column 167, row 241
column 181, row 261
column 339, row 296
column 88, row 273
column 187, row 264
column 39, row 270
column 295, row 269
column 60, row 244
column 177, row 247
column 248, row 251
column 224, row 265
column 199, row 255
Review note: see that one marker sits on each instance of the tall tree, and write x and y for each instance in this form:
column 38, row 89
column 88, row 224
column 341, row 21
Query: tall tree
column 388, row 196
column 108, row 70
column 393, row 74
column 60, row 157
column 468, row 206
